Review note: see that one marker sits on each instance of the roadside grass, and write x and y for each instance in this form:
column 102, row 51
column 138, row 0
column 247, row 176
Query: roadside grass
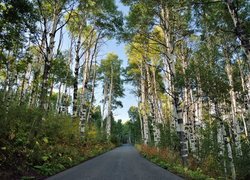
column 170, row 161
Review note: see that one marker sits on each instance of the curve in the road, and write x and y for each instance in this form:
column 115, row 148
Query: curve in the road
column 122, row 163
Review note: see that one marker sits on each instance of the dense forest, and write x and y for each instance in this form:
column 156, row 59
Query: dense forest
column 188, row 63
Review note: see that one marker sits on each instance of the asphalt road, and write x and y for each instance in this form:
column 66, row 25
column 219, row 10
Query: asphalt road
column 122, row 163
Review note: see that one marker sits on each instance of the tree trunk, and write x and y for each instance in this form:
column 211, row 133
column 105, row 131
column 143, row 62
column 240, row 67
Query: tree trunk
column 146, row 135
column 22, row 90
column 240, row 28
column 157, row 107
column 76, row 74
column 235, row 123
column 152, row 102
column 170, row 61
column 180, row 130
column 83, row 106
column 59, row 99
column 8, row 94
column 92, row 96
column 93, row 90
column 49, row 53
column 108, row 124
column 50, row 105
column 220, row 139
column 245, row 110
column 141, row 120
column 105, row 94
column 25, row 83
column 224, row 140
column 7, row 79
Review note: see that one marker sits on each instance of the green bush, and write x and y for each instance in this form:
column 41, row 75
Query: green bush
column 44, row 144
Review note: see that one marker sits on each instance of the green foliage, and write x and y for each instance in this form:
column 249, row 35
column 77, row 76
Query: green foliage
column 242, row 162
column 44, row 144
column 169, row 138
column 110, row 71
column 16, row 18
column 135, row 133
column 117, row 132
column 134, row 125
column 198, row 39
column 209, row 151
column 60, row 70
column 103, row 14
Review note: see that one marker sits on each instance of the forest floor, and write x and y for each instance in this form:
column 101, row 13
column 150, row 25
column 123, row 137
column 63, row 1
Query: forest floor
column 123, row 163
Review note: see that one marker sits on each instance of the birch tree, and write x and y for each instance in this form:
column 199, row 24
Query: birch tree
column 110, row 74
column 51, row 21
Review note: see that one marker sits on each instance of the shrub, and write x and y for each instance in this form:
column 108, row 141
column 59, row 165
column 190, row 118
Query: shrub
column 40, row 144
column 170, row 160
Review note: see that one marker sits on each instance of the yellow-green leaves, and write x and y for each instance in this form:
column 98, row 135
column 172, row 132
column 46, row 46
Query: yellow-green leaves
column 45, row 140
column 4, row 148
column 45, row 158
column 91, row 3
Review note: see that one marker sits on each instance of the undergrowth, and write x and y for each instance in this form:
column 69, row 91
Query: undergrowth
column 36, row 145
column 170, row 160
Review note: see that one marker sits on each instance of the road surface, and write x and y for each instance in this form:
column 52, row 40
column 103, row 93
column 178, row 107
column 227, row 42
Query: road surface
column 122, row 163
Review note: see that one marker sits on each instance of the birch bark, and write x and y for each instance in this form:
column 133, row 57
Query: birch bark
column 151, row 98
column 170, row 60
column 146, row 135
column 223, row 140
column 108, row 125
column 76, row 73
column 235, row 123
column 48, row 56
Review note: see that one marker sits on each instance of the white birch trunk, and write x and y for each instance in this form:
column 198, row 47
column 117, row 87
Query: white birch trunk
column 193, row 139
column 105, row 93
column 92, row 92
column 224, row 141
column 59, row 99
column 152, row 101
column 170, row 60
column 236, row 127
column 146, row 135
column 25, row 83
column 141, row 121
column 245, row 110
column 199, row 106
column 158, row 115
column 108, row 123
column 49, row 56
column 220, row 139
column 76, row 71
column 83, row 110
column 181, row 131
